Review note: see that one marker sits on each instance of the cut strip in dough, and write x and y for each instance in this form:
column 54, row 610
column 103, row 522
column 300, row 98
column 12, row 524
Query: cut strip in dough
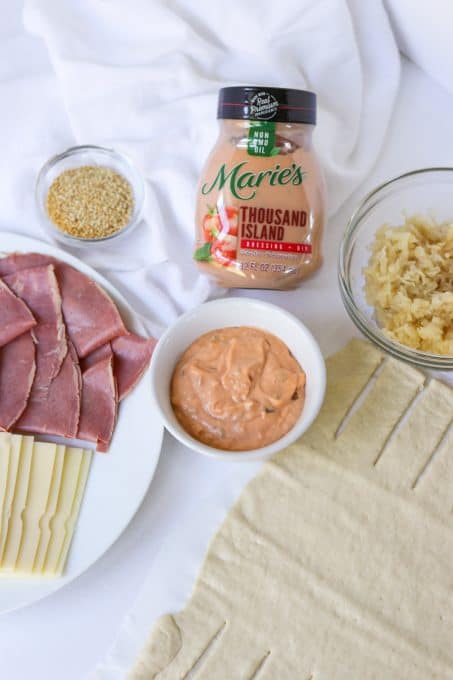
column 380, row 413
column 217, row 661
column 435, row 485
column 404, row 457
column 344, row 386
column 275, row 666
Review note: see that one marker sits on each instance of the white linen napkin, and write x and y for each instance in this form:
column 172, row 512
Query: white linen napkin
column 143, row 77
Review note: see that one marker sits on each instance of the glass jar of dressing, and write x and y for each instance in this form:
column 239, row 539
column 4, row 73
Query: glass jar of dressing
column 261, row 201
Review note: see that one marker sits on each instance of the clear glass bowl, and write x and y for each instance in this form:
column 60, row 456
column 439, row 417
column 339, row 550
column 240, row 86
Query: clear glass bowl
column 88, row 155
column 427, row 192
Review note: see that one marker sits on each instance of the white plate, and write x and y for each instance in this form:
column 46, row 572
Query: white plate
column 118, row 480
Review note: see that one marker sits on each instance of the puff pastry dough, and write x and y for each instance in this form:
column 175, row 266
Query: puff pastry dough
column 336, row 561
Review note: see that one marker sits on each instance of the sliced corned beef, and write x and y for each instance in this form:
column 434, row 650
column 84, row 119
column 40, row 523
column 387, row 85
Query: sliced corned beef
column 17, row 261
column 75, row 319
column 92, row 318
column 38, row 288
column 102, row 352
column 15, row 317
column 132, row 355
column 99, row 404
column 55, row 408
column 17, row 370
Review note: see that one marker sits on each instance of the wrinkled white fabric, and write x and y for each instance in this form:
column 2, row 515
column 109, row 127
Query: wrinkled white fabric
column 424, row 32
column 143, row 77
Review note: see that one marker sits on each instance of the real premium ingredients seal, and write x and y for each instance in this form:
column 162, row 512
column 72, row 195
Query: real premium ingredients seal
column 260, row 201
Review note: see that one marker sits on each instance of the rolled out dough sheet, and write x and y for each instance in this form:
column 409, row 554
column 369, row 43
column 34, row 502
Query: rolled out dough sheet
column 336, row 561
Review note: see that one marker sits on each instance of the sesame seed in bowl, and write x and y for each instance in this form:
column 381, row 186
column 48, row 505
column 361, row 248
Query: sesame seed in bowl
column 89, row 194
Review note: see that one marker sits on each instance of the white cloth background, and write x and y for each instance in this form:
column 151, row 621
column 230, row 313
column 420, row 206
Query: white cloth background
column 142, row 76
column 145, row 80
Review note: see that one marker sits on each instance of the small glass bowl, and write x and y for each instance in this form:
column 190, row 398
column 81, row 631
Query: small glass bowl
column 427, row 191
column 75, row 157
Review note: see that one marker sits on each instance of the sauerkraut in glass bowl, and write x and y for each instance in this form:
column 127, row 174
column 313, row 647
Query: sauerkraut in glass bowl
column 396, row 267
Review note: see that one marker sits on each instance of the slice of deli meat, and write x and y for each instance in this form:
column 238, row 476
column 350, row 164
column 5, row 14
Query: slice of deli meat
column 55, row 408
column 17, row 261
column 17, row 371
column 102, row 352
column 99, row 404
column 132, row 355
column 15, row 316
column 91, row 316
column 38, row 288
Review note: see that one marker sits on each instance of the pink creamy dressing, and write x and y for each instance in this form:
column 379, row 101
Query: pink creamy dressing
column 238, row 389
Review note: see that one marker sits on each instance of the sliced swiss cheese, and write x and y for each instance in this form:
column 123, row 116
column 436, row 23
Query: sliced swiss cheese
column 42, row 469
column 77, row 501
column 46, row 519
column 68, row 489
column 41, row 491
column 15, row 446
column 5, row 449
column 14, row 535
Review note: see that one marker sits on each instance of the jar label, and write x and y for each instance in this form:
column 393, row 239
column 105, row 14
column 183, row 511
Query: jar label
column 260, row 207
column 261, row 139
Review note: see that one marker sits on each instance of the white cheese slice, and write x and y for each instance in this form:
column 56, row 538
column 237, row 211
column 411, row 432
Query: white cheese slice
column 41, row 492
column 58, row 524
column 5, row 448
column 71, row 523
column 14, row 536
column 42, row 468
column 46, row 519
column 15, row 441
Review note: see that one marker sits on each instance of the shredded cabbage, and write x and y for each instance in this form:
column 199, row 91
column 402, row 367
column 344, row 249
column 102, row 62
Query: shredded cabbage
column 409, row 282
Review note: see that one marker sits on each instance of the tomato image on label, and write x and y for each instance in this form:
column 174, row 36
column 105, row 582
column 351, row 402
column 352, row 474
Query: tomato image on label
column 223, row 250
column 220, row 229
column 220, row 220
column 211, row 224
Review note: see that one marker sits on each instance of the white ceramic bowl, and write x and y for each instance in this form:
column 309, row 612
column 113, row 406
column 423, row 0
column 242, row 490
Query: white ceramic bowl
column 238, row 312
